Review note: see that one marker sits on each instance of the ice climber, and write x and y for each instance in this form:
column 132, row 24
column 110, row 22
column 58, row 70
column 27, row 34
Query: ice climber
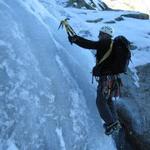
column 112, row 58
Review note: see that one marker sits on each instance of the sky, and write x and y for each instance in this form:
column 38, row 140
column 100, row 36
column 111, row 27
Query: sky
column 136, row 5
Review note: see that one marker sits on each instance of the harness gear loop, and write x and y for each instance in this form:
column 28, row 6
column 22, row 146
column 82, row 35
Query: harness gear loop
column 111, row 86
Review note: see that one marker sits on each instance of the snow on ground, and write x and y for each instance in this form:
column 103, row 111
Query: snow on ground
column 62, row 143
column 11, row 146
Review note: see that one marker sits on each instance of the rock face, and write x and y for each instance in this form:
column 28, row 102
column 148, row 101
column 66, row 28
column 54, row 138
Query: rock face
column 91, row 5
column 133, row 111
column 137, row 16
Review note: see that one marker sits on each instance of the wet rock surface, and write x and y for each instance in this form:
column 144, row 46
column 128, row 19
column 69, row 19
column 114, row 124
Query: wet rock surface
column 133, row 111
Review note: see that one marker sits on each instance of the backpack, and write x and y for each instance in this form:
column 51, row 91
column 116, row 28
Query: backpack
column 121, row 55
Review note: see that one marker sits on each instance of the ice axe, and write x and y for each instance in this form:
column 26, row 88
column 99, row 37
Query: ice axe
column 64, row 24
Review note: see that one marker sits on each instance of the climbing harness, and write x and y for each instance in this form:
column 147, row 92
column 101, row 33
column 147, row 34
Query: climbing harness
column 111, row 86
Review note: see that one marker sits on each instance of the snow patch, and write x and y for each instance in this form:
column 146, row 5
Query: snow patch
column 135, row 76
column 61, row 138
column 141, row 57
column 16, row 32
column 11, row 146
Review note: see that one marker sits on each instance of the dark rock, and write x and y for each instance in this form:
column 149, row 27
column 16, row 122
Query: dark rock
column 110, row 22
column 95, row 21
column 137, row 16
column 82, row 3
column 133, row 46
column 133, row 111
column 119, row 18
column 104, row 6
column 85, row 33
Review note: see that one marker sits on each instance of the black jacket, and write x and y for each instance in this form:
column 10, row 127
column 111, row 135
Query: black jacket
column 101, row 46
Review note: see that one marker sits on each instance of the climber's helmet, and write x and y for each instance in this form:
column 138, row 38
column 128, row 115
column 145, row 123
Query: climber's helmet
column 106, row 30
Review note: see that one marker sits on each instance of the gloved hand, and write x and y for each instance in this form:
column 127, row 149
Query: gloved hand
column 72, row 39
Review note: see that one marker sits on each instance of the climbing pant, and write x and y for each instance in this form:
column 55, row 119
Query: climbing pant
column 108, row 87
